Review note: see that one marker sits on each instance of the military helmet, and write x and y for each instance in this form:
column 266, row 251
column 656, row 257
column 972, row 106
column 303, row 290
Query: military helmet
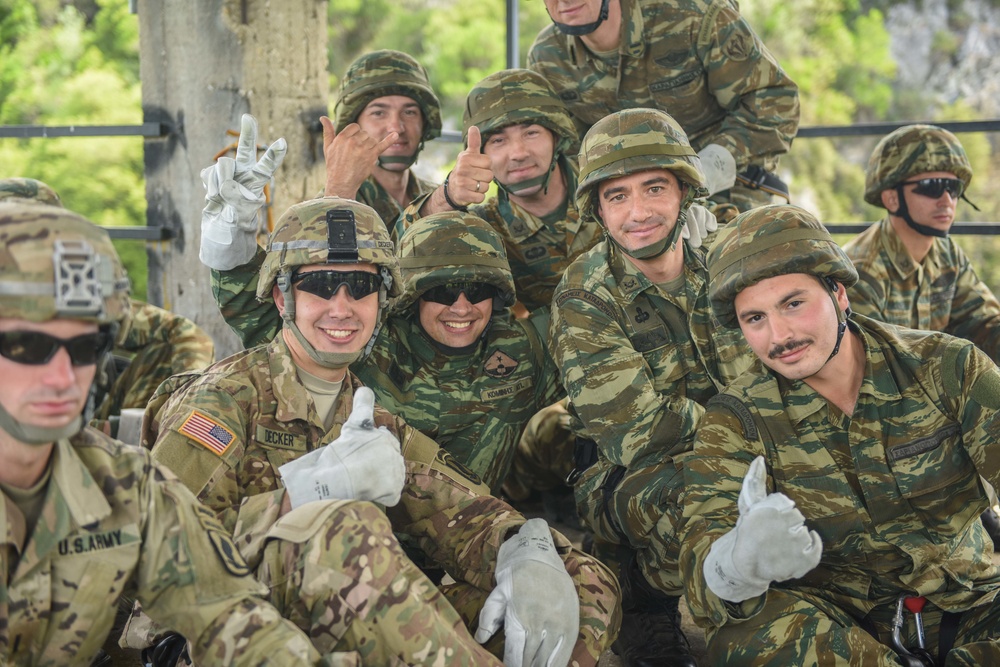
column 911, row 150
column 452, row 247
column 771, row 241
column 381, row 73
column 516, row 96
column 328, row 230
column 630, row 141
column 56, row 264
column 28, row 189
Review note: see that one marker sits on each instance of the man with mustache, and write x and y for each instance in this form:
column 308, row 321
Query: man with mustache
column 837, row 484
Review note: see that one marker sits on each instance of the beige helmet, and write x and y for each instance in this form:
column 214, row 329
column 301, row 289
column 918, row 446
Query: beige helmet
column 28, row 189
column 328, row 230
column 453, row 247
column 637, row 140
column 58, row 265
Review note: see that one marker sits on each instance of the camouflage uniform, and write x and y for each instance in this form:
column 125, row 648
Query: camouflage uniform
column 539, row 248
column 698, row 60
column 268, row 419
column 941, row 292
column 155, row 344
column 638, row 364
column 379, row 74
column 257, row 397
column 893, row 489
column 474, row 403
column 112, row 525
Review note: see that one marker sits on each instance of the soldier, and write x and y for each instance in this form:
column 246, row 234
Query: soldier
column 530, row 144
column 698, row 60
column 152, row 343
column 89, row 521
column 911, row 273
column 639, row 355
column 839, row 483
column 248, row 436
column 385, row 111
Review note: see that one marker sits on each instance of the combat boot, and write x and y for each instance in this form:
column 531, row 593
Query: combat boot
column 651, row 633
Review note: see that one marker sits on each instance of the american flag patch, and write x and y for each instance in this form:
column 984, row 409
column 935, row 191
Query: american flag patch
column 202, row 429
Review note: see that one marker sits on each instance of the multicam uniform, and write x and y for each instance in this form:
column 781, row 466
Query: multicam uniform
column 639, row 364
column 698, row 60
column 262, row 417
column 893, row 491
column 110, row 524
column 155, row 344
column 941, row 293
column 116, row 526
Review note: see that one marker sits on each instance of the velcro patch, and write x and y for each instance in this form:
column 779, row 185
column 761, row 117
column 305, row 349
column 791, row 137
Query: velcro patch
column 271, row 438
column 925, row 444
column 207, row 432
column 446, row 459
column 222, row 541
column 499, row 364
column 496, row 393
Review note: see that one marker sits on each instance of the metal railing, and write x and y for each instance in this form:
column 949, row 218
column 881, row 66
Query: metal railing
column 156, row 130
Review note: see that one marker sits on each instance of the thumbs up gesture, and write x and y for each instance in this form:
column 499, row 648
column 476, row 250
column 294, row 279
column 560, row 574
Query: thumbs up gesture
column 770, row 542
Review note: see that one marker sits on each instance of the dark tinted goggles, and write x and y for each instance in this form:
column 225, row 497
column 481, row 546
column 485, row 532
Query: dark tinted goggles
column 935, row 187
column 36, row 348
column 448, row 294
column 325, row 284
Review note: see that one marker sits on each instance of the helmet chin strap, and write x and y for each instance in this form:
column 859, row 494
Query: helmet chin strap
column 586, row 29
column 38, row 435
column 903, row 212
column 654, row 250
column 831, row 287
column 404, row 160
column 513, row 189
column 330, row 359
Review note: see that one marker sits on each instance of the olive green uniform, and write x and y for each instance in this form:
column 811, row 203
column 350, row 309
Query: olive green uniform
column 638, row 364
column 893, row 490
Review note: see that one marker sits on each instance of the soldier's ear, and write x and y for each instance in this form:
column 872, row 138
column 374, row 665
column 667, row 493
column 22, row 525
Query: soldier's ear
column 890, row 199
column 279, row 299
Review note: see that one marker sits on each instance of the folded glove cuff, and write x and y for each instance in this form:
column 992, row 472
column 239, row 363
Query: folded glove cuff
column 722, row 575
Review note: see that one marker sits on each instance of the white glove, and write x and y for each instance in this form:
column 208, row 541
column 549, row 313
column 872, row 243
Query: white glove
column 700, row 223
column 769, row 543
column 364, row 463
column 719, row 167
column 234, row 196
column 535, row 599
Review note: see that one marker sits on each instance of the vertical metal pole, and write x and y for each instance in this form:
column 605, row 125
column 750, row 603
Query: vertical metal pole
column 513, row 34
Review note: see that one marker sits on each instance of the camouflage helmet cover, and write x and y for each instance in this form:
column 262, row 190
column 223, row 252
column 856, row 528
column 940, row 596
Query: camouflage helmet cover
column 381, row 73
column 302, row 237
column 911, row 150
column 56, row 264
column 28, row 189
column 517, row 96
column 631, row 141
column 771, row 241
column 452, row 247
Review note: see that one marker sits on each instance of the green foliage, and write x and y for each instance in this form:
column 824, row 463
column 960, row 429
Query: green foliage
column 58, row 69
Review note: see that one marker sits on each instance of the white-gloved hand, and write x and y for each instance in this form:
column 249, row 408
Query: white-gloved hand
column 719, row 167
column 363, row 463
column 535, row 600
column 700, row 223
column 769, row 543
column 234, row 194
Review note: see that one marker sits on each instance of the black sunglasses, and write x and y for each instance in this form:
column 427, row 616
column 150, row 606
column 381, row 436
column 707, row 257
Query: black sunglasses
column 448, row 294
column 935, row 187
column 36, row 348
column 325, row 284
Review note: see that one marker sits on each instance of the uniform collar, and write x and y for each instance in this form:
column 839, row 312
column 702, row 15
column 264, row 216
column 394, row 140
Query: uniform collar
column 523, row 225
column 292, row 398
column 631, row 42
column 631, row 281
column 899, row 256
